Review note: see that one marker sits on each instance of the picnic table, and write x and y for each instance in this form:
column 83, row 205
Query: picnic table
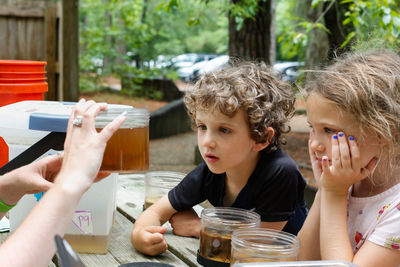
column 182, row 251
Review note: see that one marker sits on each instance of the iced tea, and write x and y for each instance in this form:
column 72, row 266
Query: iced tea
column 215, row 246
column 127, row 151
column 94, row 244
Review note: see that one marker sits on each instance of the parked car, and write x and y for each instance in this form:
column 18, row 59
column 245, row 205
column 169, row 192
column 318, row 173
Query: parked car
column 186, row 64
column 289, row 70
column 210, row 66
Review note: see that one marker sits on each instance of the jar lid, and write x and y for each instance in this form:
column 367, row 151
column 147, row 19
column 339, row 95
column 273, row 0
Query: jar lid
column 135, row 117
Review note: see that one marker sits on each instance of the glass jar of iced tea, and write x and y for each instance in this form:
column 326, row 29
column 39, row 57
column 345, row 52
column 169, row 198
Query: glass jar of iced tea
column 128, row 149
column 217, row 225
column 263, row 245
column 158, row 183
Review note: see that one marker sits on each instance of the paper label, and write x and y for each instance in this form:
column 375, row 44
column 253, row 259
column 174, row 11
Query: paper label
column 82, row 219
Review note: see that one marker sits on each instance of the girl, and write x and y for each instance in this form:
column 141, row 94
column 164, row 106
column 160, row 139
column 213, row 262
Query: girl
column 353, row 109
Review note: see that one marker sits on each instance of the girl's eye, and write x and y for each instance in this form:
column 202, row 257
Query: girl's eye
column 224, row 130
column 329, row 130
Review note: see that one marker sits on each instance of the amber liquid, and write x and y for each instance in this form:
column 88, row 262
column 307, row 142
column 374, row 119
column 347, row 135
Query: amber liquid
column 214, row 246
column 127, row 151
column 89, row 243
column 238, row 257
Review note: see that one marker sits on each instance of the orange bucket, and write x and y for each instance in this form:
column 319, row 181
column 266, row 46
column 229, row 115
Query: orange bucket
column 15, row 92
column 22, row 75
column 30, row 80
column 22, row 66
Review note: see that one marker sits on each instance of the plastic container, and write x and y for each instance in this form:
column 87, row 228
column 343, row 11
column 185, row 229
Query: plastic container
column 23, row 124
column 263, row 245
column 128, row 149
column 217, row 226
column 327, row 263
column 22, row 66
column 90, row 229
column 158, row 184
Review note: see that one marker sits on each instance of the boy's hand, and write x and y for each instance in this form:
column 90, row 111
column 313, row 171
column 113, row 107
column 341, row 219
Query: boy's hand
column 186, row 223
column 345, row 168
column 150, row 240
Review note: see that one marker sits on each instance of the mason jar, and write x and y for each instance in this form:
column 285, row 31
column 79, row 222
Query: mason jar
column 217, row 226
column 263, row 245
column 159, row 183
column 127, row 150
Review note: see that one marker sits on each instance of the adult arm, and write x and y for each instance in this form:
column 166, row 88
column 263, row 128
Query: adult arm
column 33, row 242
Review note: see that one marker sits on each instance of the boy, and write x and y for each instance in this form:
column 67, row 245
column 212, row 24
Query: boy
column 240, row 113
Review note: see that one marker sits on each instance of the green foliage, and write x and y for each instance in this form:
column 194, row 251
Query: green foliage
column 145, row 30
column 380, row 18
column 369, row 18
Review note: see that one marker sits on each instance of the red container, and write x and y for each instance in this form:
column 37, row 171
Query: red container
column 22, row 66
column 31, row 80
column 14, row 92
column 22, row 75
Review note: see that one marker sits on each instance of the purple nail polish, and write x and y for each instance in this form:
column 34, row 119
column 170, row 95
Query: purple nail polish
column 351, row 138
column 335, row 136
column 324, row 159
column 340, row 134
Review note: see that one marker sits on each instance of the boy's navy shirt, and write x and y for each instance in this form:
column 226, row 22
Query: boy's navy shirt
column 275, row 190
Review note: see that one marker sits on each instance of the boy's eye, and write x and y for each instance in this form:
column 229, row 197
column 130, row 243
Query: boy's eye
column 224, row 130
column 201, row 127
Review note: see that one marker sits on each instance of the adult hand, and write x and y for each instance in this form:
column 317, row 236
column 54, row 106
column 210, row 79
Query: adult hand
column 150, row 240
column 186, row 223
column 84, row 146
column 345, row 169
column 32, row 178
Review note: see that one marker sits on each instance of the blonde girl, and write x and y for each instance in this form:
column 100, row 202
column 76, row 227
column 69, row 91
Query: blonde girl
column 353, row 108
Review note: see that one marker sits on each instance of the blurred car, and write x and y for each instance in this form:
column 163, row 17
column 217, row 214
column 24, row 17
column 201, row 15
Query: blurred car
column 186, row 64
column 289, row 70
column 210, row 66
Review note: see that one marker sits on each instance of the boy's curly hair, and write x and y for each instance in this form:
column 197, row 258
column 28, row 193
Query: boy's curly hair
column 252, row 87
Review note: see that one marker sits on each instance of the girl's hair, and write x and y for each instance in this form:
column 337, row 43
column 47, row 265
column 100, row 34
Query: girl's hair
column 366, row 85
column 252, row 87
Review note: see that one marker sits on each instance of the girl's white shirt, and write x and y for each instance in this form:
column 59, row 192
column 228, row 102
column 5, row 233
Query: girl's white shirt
column 375, row 218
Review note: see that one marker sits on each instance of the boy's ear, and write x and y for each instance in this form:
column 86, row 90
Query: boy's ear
column 270, row 132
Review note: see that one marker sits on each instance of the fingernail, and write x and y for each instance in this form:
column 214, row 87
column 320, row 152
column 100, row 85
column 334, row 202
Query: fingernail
column 81, row 100
column 123, row 114
column 351, row 138
column 340, row 134
column 324, row 158
column 335, row 136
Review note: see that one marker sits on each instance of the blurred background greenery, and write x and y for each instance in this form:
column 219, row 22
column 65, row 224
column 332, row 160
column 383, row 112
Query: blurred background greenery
column 140, row 37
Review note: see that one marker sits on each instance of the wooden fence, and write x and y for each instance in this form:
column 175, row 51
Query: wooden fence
column 45, row 31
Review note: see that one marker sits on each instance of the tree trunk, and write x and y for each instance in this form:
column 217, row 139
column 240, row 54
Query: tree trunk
column 256, row 39
column 333, row 21
column 317, row 49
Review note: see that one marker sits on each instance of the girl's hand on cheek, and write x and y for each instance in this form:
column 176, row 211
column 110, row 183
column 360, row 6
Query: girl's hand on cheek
column 345, row 169
column 314, row 162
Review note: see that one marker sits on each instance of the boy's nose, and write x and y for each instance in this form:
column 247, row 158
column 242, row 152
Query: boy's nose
column 209, row 140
